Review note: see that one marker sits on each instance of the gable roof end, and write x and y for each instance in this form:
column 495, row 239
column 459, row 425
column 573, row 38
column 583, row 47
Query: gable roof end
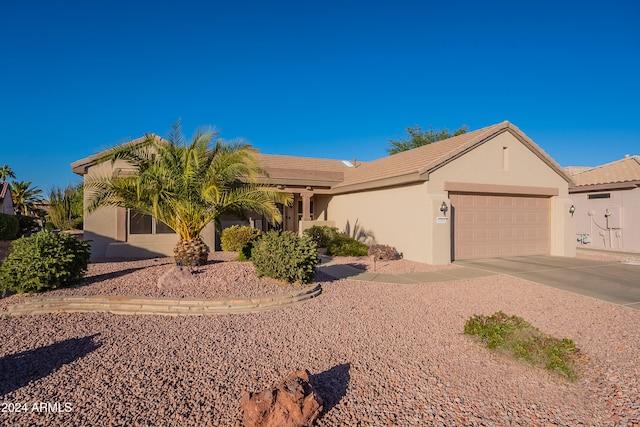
column 415, row 165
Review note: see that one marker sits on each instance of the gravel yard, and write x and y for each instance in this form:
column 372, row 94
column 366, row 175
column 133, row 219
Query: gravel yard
column 380, row 354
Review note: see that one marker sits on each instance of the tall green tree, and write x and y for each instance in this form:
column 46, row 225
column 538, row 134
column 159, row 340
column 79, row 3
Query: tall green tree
column 186, row 185
column 5, row 171
column 417, row 137
column 65, row 207
column 25, row 198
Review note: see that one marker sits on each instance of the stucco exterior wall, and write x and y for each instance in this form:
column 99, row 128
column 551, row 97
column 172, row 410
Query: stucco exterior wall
column 484, row 164
column 400, row 217
column 620, row 230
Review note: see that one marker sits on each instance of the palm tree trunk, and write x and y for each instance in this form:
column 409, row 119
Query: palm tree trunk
column 191, row 253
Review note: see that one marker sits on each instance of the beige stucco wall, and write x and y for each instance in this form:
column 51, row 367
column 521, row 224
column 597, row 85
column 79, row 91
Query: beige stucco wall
column 619, row 231
column 406, row 217
column 399, row 217
column 320, row 205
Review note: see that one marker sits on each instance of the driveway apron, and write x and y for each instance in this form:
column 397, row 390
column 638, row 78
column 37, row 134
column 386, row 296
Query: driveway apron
column 610, row 281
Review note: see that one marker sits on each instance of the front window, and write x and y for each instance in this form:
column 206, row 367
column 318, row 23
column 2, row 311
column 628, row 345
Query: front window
column 140, row 223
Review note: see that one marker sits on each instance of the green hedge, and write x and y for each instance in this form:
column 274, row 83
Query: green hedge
column 44, row 261
column 321, row 234
column 346, row 246
column 9, row 226
column 283, row 255
column 236, row 237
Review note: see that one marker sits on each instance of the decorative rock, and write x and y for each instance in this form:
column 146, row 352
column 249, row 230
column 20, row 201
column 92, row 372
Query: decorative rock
column 174, row 277
column 292, row 402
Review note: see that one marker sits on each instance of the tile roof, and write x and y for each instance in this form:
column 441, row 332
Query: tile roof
column 572, row 170
column 293, row 170
column 620, row 171
column 415, row 165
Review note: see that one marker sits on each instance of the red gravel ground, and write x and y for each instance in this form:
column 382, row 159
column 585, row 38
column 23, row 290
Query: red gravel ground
column 380, row 354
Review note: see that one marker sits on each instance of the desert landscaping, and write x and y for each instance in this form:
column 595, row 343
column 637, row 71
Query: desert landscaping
column 378, row 354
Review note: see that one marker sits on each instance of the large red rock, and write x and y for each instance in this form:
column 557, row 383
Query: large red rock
column 291, row 402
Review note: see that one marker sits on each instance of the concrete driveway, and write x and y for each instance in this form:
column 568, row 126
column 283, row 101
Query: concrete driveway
column 611, row 281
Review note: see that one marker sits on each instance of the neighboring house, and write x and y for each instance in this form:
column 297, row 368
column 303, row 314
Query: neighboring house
column 6, row 203
column 607, row 203
column 491, row 192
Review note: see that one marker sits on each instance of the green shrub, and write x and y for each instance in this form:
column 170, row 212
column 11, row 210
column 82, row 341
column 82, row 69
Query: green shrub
column 346, row 246
column 9, row 226
column 44, row 261
column 283, row 255
column 523, row 341
column 321, row 234
column 245, row 253
column 236, row 236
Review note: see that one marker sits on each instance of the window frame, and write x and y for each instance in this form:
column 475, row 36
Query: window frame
column 154, row 224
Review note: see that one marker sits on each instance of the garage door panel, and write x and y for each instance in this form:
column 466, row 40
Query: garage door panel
column 500, row 225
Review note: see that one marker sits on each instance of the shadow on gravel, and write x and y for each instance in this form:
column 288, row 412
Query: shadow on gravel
column 358, row 265
column 106, row 276
column 18, row 370
column 331, row 385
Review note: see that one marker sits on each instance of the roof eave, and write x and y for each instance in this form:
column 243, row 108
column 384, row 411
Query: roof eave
column 409, row 178
column 628, row 185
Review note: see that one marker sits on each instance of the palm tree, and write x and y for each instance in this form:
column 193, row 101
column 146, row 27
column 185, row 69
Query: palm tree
column 185, row 186
column 25, row 197
column 5, row 171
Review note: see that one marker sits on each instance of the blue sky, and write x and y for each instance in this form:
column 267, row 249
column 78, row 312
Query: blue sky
column 332, row 79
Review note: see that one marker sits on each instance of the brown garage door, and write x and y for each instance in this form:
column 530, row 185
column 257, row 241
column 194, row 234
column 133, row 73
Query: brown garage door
column 496, row 225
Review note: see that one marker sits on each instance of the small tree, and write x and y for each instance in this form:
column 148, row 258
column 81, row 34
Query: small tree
column 416, row 137
column 186, row 185
column 25, row 198
column 65, row 212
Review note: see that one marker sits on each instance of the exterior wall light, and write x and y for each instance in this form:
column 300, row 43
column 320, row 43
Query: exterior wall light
column 444, row 208
column 572, row 209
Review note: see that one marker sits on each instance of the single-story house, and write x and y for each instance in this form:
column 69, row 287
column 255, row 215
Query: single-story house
column 488, row 193
column 6, row 202
column 607, row 205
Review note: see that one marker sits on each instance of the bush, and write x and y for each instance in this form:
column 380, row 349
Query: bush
column 523, row 341
column 346, row 246
column 321, row 234
column 245, row 253
column 44, row 261
column 237, row 236
column 283, row 255
column 9, row 226
column 384, row 252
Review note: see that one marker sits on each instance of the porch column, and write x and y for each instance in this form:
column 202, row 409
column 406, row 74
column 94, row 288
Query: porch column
column 306, row 205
